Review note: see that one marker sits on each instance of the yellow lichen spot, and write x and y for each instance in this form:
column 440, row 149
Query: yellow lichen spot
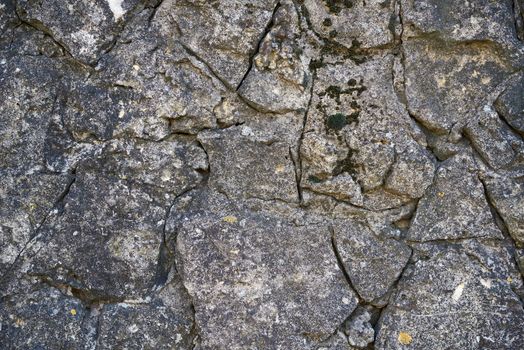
column 73, row 312
column 19, row 322
column 509, row 279
column 440, row 194
column 441, row 82
column 32, row 206
column 230, row 219
column 404, row 338
column 485, row 80
column 280, row 168
column 136, row 67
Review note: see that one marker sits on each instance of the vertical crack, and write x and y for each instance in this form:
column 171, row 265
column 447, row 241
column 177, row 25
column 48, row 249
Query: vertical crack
column 518, row 18
column 58, row 205
column 259, row 43
column 300, row 140
column 340, row 262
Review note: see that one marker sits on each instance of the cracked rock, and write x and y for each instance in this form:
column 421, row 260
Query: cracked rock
column 283, row 174
column 454, row 206
column 358, row 129
column 372, row 264
column 224, row 33
column 275, row 283
column 86, row 36
column 123, row 247
column 450, row 300
column 31, row 320
column 279, row 77
column 164, row 322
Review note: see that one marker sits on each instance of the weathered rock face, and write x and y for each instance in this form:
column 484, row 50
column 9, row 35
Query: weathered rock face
column 315, row 174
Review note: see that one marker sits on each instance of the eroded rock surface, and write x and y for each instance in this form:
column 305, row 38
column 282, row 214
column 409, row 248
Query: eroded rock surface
column 293, row 174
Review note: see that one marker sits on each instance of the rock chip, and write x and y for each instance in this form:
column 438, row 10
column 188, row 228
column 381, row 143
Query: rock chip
column 454, row 206
column 372, row 264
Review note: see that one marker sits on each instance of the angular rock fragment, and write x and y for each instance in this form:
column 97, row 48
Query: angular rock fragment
column 275, row 283
column 250, row 166
column 454, row 206
column 510, row 104
column 494, row 141
column 165, row 322
column 372, row 264
column 42, row 319
column 451, row 300
column 411, row 174
column 507, row 196
column 86, row 28
column 106, row 243
column 458, row 82
column 279, row 77
column 223, row 34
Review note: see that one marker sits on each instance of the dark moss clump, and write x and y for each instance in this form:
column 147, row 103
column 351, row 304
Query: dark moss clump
column 346, row 165
column 315, row 64
column 333, row 34
column 337, row 121
column 385, row 4
column 334, row 91
column 335, row 6
column 314, row 179
column 327, row 22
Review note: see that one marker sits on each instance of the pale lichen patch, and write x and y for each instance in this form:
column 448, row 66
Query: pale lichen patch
column 116, row 8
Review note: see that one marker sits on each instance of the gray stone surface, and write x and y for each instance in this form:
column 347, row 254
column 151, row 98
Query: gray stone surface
column 372, row 264
column 292, row 174
column 449, row 299
column 455, row 205
column 275, row 282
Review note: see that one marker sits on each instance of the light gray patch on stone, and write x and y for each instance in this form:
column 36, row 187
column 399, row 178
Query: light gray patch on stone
column 507, row 195
column 451, row 300
column 275, row 283
column 86, row 28
column 373, row 264
column 42, row 319
column 163, row 322
column 454, row 206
